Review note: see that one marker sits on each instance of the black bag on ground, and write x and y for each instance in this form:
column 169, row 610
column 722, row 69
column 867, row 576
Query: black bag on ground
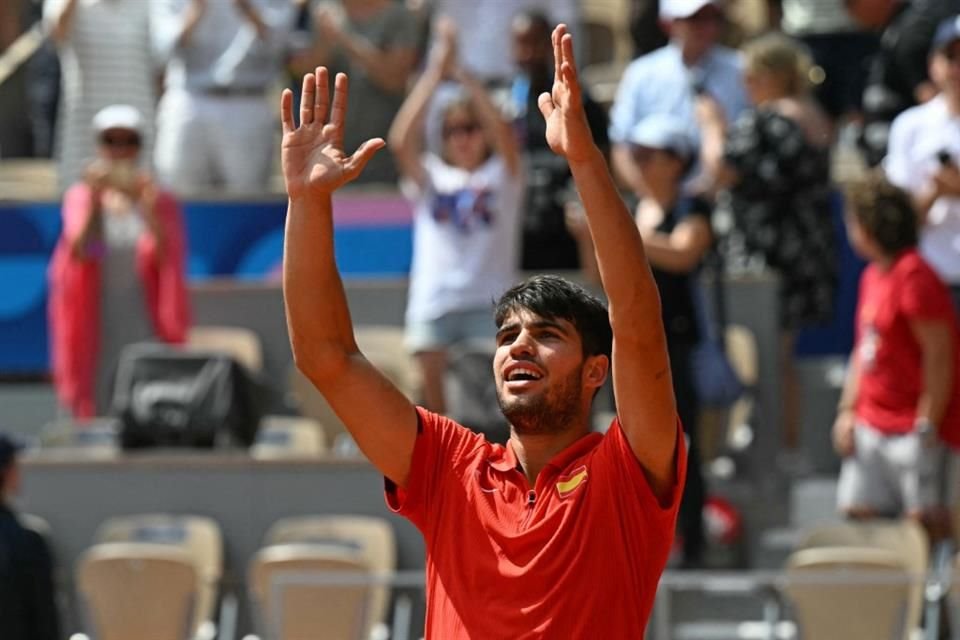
column 166, row 397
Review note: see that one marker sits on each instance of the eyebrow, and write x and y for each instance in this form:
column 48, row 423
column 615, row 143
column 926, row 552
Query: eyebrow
column 539, row 324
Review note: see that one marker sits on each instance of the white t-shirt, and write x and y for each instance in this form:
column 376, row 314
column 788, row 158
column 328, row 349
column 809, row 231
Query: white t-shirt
column 918, row 135
column 466, row 237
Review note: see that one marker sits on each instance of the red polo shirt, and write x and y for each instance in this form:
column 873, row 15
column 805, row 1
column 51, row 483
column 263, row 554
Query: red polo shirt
column 577, row 556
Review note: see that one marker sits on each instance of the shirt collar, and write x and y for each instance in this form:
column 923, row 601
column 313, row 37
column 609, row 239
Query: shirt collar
column 504, row 459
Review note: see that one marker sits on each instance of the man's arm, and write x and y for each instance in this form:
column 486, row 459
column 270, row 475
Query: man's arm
column 377, row 414
column 936, row 345
column 641, row 368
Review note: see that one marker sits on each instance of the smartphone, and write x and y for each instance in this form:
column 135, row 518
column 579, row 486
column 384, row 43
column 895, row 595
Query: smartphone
column 944, row 157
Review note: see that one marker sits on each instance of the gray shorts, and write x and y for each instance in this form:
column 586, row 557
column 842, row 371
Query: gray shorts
column 450, row 328
column 891, row 475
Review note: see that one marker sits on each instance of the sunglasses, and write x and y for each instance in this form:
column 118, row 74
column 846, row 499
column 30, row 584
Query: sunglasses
column 461, row 129
column 120, row 140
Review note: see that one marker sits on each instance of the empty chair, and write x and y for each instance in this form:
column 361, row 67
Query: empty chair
column 314, row 610
column 197, row 536
column 905, row 538
column 288, row 437
column 241, row 343
column 138, row 591
column 841, row 602
column 369, row 539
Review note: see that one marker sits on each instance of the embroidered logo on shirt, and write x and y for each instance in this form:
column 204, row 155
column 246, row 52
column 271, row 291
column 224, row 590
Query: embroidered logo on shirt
column 568, row 484
column 465, row 209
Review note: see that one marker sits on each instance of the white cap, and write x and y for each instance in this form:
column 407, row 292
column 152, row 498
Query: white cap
column 678, row 9
column 666, row 132
column 118, row 116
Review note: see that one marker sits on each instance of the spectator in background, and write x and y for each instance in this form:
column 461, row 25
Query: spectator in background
column 215, row 129
column 375, row 43
column 645, row 29
column 105, row 59
column 546, row 242
column 677, row 235
column 485, row 32
column 117, row 275
column 43, row 90
column 15, row 134
column 924, row 155
column 897, row 78
column 466, row 214
column 28, row 609
column 901, row 398
column 666, row 80
column 774, row 163
column 840, row 47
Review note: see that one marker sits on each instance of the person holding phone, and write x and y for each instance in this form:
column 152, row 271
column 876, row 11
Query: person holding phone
column 117, row 274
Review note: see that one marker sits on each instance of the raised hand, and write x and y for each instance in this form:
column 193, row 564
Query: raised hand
column 312, row 155
column 567, row 131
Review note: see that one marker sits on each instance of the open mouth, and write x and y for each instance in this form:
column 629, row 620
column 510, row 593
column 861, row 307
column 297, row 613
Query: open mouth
column 523, row 374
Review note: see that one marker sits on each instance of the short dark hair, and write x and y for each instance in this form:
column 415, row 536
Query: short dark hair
column 552, row 297
column 884, row 211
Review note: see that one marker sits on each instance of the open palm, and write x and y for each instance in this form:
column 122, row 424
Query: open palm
column 312, row 154
column 567, row 131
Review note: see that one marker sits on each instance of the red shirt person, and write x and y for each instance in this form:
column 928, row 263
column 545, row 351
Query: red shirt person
column 901, row 398
column 562, row 533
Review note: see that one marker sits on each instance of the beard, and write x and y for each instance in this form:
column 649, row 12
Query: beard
column 549, row 412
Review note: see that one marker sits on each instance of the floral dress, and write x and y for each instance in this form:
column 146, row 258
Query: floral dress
column 778, row 214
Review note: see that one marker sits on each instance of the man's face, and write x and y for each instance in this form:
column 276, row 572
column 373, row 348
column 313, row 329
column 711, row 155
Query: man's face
column 531, row 46
column 539, row 370
column 945, row 68
column 698, row 33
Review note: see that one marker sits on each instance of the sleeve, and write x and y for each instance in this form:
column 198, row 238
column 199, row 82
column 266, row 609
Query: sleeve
column 897, row 164
column 441, row 449
column 625, row 112
column 42, row 597
column 619, row 467
column 414, row 192
column 924, row 297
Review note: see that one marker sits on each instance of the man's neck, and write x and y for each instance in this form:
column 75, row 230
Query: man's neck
column 535, row 451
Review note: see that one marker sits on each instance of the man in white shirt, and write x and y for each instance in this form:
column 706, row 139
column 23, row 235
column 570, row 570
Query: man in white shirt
column 215, row 128
column 924, row 155
column 666, row 80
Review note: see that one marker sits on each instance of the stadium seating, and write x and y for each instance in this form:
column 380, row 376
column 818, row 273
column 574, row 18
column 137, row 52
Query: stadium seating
column 311, row 609
column 905, row 539
column 369, row 538
column 243, row 344
column 842, row 600
column 283, row 437
column 198, row 537
column 116, row 579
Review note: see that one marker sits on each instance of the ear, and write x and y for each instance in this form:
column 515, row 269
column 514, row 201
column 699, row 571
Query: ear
column 595, row 370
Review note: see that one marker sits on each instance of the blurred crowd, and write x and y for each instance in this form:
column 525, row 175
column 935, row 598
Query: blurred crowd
column 721, row 133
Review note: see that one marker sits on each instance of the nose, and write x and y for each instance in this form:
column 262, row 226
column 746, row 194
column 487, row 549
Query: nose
column 522, row 345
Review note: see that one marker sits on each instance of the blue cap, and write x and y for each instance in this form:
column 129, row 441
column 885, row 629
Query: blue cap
column 665, row 132
column 9, row 448
column 947, row 33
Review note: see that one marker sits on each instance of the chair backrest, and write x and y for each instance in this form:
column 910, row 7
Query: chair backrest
column 288, row 437
column 198, row 536
column 382, row 346
column 905, row 538
column 846, row 606
column 369, row 538
column 240, row 343
column 138, row 591
column 299, row 612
